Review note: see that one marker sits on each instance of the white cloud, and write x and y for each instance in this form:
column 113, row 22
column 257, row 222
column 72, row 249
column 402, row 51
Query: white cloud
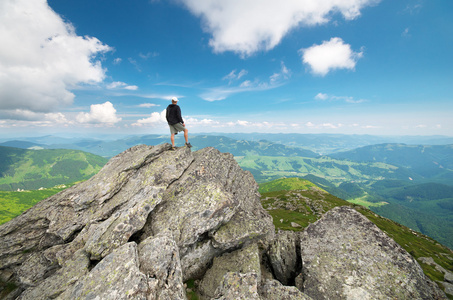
column 283, row 74
column 243, row 123
column 147, row 105
column 248, row 26
column 233, row 76
column 330, row 55
column 321, row 96
column 42, row 58
column 156, row 118
column 122, row 85
column 221, row 93
column 148, row 55
column 204, row 122
column 347, row 99
column 406, row 33
column 246, row 84
column 117, row 61
column 99, row 113
column 57, row 118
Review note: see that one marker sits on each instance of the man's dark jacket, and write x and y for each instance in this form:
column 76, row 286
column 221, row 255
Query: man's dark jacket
column 174, row 114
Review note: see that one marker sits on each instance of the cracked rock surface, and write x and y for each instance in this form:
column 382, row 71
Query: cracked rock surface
column 153, row 219
column 148, row 220
column 346, row 256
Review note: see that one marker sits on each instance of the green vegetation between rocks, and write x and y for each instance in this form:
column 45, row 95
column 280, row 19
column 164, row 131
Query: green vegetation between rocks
column 190, row 290
column 306, row 205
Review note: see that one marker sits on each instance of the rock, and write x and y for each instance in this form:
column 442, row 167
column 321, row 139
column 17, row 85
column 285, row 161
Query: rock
column 159, row 260
column 284, row 256
column 345, row 256
column 195, row 206
column 72, row 271
column 238, row 286
column 274, row 290
column 152, row 219
column 214, row 206
column 295, row 225
column 117, row 276
column 448, row 288
column 448, row 277
column 246, row 260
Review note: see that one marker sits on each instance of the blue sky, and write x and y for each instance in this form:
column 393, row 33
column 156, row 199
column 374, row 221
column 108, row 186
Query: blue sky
column 303, row 66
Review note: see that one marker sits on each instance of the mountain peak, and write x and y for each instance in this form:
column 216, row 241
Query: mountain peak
column 152, row 219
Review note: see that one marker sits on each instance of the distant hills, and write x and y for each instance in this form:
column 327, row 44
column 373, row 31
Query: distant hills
column 332, row 143
column 33, row 169
column 428, row 161
column 411, row 184
column 110, row 148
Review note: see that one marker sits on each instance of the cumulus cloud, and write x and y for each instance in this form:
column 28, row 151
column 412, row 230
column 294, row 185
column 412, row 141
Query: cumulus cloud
column 156, row 118
column 248, row 26
column 203, row 122
column 42, row 58
column 99, row 113
column 330, row 55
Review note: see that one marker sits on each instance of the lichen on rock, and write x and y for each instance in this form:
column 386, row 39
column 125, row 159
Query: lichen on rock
column 152, row 219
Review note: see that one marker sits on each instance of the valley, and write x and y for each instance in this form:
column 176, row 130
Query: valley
column 410, row 184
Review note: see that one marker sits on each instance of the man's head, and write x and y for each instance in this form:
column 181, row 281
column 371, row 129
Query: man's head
column 174, row 100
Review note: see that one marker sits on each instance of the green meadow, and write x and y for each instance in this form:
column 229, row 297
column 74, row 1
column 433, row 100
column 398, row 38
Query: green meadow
column 13, row 204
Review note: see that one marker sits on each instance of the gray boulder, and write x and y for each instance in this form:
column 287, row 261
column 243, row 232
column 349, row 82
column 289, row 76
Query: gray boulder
column 235, row 286
column 152, row 219
column 149, row 220
column 245, row 260
column 159, row 260
column 117, row 276
column 274, row 290
column 345, row 256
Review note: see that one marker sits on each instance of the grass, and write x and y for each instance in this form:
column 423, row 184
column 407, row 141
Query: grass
column 12, row 204
column 32, row 169
column 190, row 291
column 363, row 202
column 307, row 206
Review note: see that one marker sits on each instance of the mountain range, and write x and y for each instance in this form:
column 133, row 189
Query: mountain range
column 408, row 183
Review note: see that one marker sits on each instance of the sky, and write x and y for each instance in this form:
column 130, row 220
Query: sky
column 379, row 67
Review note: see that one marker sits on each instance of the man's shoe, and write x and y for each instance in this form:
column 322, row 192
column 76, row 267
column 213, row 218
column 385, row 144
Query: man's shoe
column 188, row 145
column 172, row 148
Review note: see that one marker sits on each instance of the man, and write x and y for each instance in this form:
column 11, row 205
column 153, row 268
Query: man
column 176, row 122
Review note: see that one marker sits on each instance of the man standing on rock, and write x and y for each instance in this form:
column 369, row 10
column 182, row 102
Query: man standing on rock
column 176, row 122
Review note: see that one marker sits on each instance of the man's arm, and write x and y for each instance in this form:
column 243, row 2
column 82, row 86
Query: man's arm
column 178, row 115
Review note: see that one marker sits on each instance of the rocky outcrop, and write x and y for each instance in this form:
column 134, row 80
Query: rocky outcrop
column 448, row 276
column 149, row 220
column 345, row 256
column 153, row 219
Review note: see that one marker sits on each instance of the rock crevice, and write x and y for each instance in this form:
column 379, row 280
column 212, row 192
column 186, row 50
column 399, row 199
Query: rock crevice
column 153, row 219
